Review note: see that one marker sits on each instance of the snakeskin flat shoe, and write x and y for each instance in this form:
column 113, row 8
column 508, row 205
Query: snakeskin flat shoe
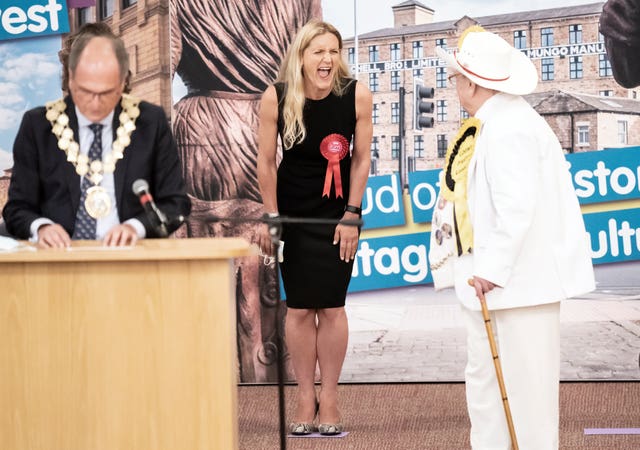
column 301, row 428
column 330, row 429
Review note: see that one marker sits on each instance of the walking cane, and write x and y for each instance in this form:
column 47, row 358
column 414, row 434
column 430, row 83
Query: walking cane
column 496, row 363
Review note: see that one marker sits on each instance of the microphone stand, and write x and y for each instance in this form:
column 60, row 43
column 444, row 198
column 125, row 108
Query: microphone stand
column 275, row 231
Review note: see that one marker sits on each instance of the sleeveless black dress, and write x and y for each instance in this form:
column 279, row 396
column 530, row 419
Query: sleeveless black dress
column 313, row 274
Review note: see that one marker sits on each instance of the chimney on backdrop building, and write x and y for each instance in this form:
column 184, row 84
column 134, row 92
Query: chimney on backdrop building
column 410, row 13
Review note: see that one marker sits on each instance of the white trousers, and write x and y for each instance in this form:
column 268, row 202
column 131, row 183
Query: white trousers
column 528, row 341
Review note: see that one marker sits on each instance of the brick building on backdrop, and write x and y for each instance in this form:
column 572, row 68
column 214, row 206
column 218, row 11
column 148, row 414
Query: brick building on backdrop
column 143, row 25
column 576, row 93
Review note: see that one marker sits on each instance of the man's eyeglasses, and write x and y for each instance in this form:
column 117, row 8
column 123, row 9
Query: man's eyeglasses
column 452, row 78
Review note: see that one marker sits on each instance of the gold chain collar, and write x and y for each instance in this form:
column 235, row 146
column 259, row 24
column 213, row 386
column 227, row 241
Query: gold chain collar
column 96, row 168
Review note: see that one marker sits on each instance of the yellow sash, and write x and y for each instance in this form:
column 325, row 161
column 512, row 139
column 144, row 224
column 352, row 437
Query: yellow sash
column 454, row 186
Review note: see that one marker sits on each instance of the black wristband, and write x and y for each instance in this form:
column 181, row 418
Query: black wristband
column 353, row 209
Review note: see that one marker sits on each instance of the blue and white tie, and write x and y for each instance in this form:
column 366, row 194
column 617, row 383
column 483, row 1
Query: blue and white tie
column 85, row 227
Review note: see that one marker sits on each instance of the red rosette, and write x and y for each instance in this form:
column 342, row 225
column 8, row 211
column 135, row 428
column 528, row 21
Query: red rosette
column 334, row 148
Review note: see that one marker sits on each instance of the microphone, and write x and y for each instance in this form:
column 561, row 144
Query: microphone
column 157, row 218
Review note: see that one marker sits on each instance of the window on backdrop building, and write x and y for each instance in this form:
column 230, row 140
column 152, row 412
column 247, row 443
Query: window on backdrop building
column 375, row 156
column 622, row 132
column 520, row 39
column 351, row 55
column 442, row 145
column 84, row 16
column 395, row 112
column 547, row 69
column 105, row 8
column 395, row 80
column 418, row 146
column 394, row 51
column 375, row 113
column 441, row 77
column 395, row 147
column 127, row 3
column 373, row 82
column 463, row 114
column 583, row 134
column 418, row 73
column 575, row 67
column 546, row 37
column 441, row 110
column 374, row 53
column 575, row 34
column 441, row 42
column 417, row 49
column 604, row 66
column 375, row 147
column 607, row 93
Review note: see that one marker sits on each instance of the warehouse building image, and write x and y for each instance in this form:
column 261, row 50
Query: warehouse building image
column 576, row 93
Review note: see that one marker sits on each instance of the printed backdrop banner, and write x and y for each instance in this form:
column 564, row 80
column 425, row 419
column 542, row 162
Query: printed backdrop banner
column 20, row 19
column 226, row 69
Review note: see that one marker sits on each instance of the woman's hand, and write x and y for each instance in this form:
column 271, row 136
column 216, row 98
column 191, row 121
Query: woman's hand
column 347, row 237
column 264, row 240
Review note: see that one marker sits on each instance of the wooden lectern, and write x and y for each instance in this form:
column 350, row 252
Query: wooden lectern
column 119, row 349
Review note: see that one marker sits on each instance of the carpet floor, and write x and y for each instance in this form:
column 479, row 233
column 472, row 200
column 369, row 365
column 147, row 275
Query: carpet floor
column 433, row 416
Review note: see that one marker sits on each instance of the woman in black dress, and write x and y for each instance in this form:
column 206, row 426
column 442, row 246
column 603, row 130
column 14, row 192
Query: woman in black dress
column 323, row 119
column 227, row 53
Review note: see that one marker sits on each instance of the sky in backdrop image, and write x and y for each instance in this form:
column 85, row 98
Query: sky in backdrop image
column 29, row 77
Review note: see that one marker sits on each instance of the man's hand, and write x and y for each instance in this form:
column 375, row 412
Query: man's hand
column 53, row 236
column 120, row 236
column 481, row 285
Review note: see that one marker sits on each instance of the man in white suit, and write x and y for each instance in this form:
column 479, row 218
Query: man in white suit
column 519, row 236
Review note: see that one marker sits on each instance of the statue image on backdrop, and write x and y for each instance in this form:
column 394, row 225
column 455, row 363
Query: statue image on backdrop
column 227, row 53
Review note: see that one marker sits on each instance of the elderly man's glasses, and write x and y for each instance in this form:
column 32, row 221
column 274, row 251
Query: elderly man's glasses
column 452, row 78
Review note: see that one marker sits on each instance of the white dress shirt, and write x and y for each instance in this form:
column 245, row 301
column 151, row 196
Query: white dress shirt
column 85, row 139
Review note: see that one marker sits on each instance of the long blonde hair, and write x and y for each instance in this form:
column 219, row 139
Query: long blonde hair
column 291, row 75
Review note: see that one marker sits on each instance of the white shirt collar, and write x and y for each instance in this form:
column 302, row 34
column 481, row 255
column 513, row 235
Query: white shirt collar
column 84, row 122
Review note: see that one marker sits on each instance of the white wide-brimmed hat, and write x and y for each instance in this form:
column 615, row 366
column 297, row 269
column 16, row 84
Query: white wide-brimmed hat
column 489, row 61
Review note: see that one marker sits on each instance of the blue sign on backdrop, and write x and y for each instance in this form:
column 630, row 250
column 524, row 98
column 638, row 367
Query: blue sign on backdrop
column 423, row 189
column 382, row 203
column 615, row 235
column 21, row 19
column 607, row 175
column 391, row 261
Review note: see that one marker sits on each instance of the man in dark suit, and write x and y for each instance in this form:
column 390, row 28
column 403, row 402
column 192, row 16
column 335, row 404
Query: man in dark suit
column 75, row 159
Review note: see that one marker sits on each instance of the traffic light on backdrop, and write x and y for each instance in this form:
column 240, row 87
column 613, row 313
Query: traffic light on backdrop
column 421, row 106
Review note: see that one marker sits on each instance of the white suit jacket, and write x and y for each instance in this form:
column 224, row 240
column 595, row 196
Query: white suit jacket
column 529, row 235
